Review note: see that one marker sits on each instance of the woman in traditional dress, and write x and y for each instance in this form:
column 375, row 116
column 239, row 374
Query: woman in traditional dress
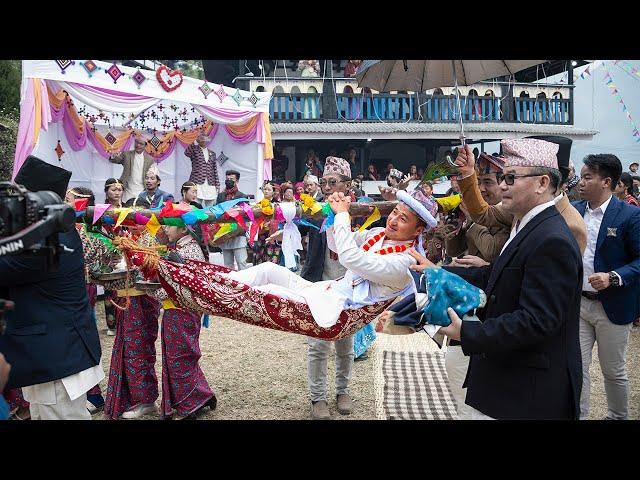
column 113, row 190
column 263, row 251
column 132, row 387
column 189, row 191
column 185, row 390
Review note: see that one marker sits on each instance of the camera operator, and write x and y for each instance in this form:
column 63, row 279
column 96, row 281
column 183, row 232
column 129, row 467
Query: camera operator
column 50, row 339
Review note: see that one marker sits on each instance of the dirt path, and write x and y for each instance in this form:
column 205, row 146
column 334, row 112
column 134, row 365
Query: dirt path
column 261, row 374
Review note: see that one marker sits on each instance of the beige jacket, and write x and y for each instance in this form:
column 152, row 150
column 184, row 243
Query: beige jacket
column 126, row 159
column 495, row 215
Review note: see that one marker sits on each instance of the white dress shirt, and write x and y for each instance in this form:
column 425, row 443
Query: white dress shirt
column 75, row 385
column 593, row 221
column 206, row 191
column 519, row 225
column 136, row 183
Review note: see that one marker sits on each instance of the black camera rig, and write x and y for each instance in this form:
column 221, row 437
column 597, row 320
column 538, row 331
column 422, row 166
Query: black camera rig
column 32, row 220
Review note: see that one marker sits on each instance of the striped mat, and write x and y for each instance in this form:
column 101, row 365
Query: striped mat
column 410, row 379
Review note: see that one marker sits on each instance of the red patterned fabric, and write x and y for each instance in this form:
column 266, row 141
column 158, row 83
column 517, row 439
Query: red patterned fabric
column 132, row 376
column 201, row 288
column 184, row 385
column 14, row 398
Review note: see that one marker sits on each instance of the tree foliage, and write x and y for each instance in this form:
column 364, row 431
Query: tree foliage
column 10, row 77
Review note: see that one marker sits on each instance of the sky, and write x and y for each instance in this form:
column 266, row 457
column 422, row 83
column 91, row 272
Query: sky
column 596, row 108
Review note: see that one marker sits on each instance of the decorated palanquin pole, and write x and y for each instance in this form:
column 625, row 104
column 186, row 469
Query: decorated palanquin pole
column 207, row 289
column 202, row 287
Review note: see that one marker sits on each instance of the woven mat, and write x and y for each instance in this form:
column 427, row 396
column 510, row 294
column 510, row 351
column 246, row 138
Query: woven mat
column 410, row 379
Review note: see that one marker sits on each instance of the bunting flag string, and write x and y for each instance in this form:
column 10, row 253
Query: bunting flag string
column 613, row 89
column 628, row 67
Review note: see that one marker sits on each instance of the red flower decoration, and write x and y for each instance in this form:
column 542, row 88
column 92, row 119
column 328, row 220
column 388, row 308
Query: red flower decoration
column 170, row 80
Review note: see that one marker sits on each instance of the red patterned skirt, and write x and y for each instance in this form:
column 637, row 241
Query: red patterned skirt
column 132, row 376
column 184, row 386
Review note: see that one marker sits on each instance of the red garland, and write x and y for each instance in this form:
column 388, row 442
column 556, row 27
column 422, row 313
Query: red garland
column 383, row 251
column 171, row 84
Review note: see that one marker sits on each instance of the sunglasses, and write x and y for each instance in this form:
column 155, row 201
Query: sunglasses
column 509, row 178
column 332, row 183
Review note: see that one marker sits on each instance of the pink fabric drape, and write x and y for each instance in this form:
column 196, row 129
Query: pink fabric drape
column 27, row 129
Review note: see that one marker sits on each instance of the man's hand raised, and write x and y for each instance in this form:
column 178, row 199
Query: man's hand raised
column 465, row 161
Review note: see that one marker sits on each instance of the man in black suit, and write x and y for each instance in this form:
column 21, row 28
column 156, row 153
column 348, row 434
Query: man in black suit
column 51, row 340
column 525, row 354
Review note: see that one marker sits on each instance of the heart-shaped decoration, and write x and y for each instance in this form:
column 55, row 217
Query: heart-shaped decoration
column 169, row 79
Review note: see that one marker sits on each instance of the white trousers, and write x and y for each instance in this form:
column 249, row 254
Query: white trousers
column 456, row 364
column 271, row 278
column 63, row 409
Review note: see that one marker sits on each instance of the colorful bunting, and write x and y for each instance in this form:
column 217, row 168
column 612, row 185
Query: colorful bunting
column 374, row 217
column 122, row 214
column 225, row 229
column 614, row 91
column 153, row 225
column 80, row 204
column 141, row 219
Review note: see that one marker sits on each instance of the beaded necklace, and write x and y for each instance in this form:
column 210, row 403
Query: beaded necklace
column 384, row 251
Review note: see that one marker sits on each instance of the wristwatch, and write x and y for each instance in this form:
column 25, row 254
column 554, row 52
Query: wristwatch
column 614, row 280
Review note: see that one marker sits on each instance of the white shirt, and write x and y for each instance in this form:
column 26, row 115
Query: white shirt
column 385, row 275
column 135, row 184
column 518, row 226
column 593, row 220
column 206, row 191
column 75, row 385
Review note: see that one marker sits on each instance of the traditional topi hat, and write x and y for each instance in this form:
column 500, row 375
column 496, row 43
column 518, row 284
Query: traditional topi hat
column 425, row 207
column 529, row 152
column 337, row 165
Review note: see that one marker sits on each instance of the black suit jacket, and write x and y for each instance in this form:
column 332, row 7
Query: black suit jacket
column 314, row 263
column 525, row 354
column 50, row 334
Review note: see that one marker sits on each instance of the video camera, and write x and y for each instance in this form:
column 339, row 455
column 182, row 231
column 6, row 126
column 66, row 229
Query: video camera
column 32, row 220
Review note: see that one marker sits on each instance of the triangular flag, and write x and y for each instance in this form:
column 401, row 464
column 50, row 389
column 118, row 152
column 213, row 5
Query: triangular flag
column 122, row 214
column 141, row 219
column 248, row 211
column 255, row 229
column 237, row 216
column 224, row 229
column 153, row 225
column 98, row 211
column 374, row 217
column 80, row 204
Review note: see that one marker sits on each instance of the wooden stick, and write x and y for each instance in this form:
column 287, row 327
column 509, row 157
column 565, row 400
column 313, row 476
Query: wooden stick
column 355, row 210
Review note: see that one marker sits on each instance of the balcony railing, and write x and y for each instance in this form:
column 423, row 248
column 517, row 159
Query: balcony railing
column 312, row 107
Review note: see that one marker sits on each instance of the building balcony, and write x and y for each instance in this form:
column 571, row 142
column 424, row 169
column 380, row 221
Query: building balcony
column 302, row 100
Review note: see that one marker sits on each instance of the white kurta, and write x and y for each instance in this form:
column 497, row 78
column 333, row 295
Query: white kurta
column 206, row 191
column 75, row 385
column 369, row 278
column 135, row 184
